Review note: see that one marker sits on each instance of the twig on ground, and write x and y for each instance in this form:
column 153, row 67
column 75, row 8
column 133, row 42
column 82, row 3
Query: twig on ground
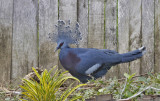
column 137, row 94
column 123, row 88
column 6, row 91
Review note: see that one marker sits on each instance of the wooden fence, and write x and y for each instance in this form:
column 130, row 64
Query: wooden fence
column 121, row 25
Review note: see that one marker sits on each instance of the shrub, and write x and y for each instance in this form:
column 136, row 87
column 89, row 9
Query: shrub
column 48, row 87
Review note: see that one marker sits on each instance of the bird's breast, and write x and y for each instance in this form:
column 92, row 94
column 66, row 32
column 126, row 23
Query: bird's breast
column 69, row 60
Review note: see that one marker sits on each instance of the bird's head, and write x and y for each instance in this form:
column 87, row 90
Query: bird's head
column 65, row 34
column 61, row 45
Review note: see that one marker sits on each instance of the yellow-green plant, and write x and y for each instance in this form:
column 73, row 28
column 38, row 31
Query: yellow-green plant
column 48, row 87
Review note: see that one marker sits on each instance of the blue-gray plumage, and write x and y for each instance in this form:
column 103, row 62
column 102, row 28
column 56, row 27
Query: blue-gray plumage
column 87, row 63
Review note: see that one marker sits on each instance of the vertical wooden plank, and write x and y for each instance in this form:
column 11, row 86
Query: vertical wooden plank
column 6, row 8
column 157, row 35
column 135, row 32
column 148, row 35
column 96, row 24
column 83, row 21
column 48, row 18
column 110, row 31
column 24, row 52
column 68, row 11
column 123, row 33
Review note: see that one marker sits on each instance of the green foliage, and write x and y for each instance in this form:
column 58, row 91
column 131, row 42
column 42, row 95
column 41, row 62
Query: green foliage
column 122, row 88
column 48, row 87
column 126, row 92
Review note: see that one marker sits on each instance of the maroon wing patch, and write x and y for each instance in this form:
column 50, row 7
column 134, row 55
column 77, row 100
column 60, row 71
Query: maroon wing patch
column 70, row 61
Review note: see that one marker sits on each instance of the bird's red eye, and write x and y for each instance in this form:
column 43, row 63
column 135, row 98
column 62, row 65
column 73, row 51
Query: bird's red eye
column 61, row 44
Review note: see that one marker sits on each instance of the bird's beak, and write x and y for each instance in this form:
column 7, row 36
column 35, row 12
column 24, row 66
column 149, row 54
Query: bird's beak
column 56, row 49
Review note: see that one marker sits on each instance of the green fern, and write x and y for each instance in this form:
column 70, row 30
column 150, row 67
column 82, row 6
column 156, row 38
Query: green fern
column 47, row 88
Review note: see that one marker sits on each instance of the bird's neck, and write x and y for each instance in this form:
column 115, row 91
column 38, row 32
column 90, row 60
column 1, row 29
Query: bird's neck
column 63, row 52
column 65, row 46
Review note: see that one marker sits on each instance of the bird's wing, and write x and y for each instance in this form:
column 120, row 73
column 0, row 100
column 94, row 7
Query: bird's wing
column 93, row 59
column 109, row 52
column 90, row 61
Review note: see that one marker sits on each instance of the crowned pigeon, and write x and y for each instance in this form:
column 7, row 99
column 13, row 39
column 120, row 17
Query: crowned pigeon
column 87, row 63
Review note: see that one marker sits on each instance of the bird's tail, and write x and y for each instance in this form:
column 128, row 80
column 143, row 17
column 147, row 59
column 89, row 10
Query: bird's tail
column 133, row 55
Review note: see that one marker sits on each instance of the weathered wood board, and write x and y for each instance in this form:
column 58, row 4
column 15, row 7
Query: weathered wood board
column 123, row 33
column 111, row 32
column 6, row 11
column 148, row 35
column 25, row 25
column 24, row 46
column 135, row 32
column 48, row 18
column 96, row 24
column 157, row 36
column 105, row 97
column 68, row 11
column 82, row 11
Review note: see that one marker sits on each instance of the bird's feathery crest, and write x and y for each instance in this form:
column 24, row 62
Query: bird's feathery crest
column 64, row 32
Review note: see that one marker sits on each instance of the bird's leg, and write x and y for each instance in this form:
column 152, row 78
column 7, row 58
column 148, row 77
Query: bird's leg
column 91, row 77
